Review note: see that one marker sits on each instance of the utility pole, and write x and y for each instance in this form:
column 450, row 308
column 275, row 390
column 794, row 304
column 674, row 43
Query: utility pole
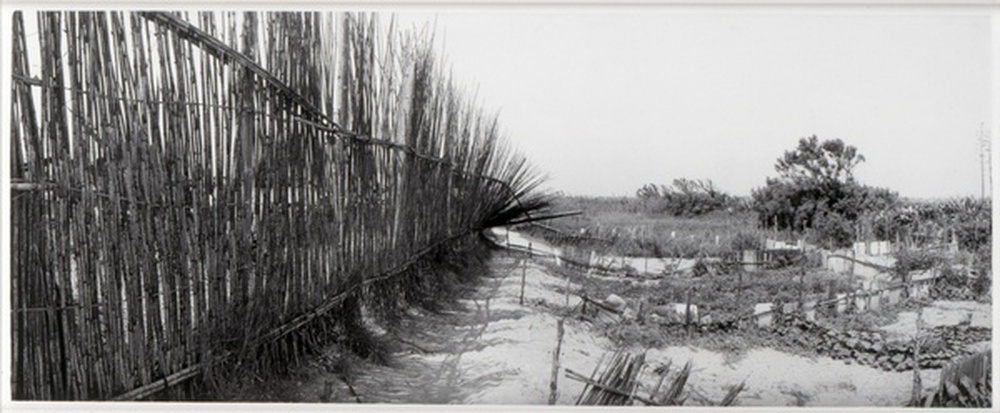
column 985, row 163
column 982, row 176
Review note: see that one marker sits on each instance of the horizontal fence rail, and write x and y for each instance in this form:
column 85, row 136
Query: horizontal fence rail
column 190, row 187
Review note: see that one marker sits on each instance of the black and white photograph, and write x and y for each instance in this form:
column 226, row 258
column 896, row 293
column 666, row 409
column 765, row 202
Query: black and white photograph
column 498, row 205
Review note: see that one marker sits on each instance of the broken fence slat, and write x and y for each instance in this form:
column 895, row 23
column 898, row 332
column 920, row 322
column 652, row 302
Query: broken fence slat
column 570, row 374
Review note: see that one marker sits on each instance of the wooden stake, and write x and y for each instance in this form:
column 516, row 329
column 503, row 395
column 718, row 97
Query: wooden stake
column 802, row 288
column 917, row 385
column 739, row 287
column 507, row 239
column 567, row 292
column 687, row 310
column 553, row 389
column 524, row 270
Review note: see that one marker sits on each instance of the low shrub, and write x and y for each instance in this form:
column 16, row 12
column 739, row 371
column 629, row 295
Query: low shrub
column 688, row 198
column 744, row 240
column 908, row 261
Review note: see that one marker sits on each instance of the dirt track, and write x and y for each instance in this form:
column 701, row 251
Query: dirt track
column 495, row 352
column 491, row 350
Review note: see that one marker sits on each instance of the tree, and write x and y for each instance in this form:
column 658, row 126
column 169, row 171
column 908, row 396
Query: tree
column 816, row 191
column 829, row 162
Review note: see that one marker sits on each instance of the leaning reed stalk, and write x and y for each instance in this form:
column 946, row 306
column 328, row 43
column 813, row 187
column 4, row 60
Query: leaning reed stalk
column 218, row 190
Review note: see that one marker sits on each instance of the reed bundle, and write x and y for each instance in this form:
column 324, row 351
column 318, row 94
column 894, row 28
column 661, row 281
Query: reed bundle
column 618, row 383
column 197, row 187
column 967, row 382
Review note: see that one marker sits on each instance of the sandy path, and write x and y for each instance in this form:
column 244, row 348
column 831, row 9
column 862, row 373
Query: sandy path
column 495, row 352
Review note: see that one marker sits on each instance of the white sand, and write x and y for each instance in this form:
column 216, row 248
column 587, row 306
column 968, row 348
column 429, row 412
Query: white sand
column 523, row 353
column 780, row 379
column 941, row 313
column 521, row 362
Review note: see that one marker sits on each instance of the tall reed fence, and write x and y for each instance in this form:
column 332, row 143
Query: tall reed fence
column 191, row 188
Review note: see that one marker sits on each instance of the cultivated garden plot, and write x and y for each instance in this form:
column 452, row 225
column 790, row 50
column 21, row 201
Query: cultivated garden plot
column 465, row 355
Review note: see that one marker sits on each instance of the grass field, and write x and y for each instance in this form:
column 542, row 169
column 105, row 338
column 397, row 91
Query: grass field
column 631, row 227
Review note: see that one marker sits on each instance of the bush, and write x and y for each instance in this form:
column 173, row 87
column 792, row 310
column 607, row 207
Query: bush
column 687, row 197
column 908, row 261
column 828, row 212
column 743, row 241
column 832, row 230
column 981, row 285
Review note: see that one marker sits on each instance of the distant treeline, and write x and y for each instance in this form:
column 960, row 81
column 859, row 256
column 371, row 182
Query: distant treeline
column 815, row 193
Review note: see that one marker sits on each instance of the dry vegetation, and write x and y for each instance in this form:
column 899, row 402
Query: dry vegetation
column 632, row 227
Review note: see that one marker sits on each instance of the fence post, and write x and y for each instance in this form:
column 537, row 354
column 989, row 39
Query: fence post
column 524, row 269
column 553, row 393
column 854, row 256
column 590, row 263
column 906, row 285
column 507, row 236
column 831, row 308
column 567, row 292
column 739, row 287
column 917, row 385
column 687, row 310
column 802, row 288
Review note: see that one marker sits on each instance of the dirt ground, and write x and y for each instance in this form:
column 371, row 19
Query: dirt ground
column 493, row 350
column 499, row 352
column 942, row 313
column 775, row 378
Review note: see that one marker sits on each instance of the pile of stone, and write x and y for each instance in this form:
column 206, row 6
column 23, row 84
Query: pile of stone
column 712, row 327
column 940, row 345
column 963, row 334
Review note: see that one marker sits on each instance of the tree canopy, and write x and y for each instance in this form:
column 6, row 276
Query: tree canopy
column 827, row 162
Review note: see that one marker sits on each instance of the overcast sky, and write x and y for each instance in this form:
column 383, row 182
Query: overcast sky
column 606, row 103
